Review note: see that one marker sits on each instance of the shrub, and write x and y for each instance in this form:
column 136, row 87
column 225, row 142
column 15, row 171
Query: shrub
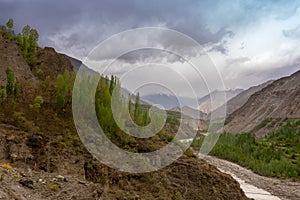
column 40, row 74
column 21, row 120
column 177, row 196
column 189, row 152
column 54, row 186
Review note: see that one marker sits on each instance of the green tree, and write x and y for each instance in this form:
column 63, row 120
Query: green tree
column 27, row 41
column 146, row 117
column 129, row 103
column 17, row 89
column 36, row 106
column 112, row 84
column 26, row 31
column 137, row 107
column 10, row 24
column 10, row 82
column 62, row 89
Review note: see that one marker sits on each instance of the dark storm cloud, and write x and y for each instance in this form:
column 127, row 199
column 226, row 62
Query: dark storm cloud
column 75, row 27
column 80, row 25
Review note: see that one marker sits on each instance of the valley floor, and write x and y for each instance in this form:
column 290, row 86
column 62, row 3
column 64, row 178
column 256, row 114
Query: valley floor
column 284, row 189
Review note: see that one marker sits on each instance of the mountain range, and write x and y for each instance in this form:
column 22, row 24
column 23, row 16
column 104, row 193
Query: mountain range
column 203, row 104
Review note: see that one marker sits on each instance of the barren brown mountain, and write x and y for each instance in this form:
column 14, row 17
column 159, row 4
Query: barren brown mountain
column 268, row 108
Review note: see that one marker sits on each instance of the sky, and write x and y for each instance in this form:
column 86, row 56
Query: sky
column 248, row 41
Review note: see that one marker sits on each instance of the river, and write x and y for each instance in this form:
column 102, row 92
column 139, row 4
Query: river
column 256, row 186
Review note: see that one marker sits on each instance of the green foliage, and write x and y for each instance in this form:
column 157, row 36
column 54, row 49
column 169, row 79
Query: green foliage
column 40, row 74
column 261, row 125
column 173, row 117
column 103, row 106
column 276, row 155
column 3, row 95
column 10, row 24
column 54, row 186
column 112, row 84
column 17, row 89
column 12, row 86
column 27, row 41
column 36, row 106
column 39, row 100
column 129, row 103
column 20, row 120
column 189, row 152
column 63, row 89
column 177, row 196
column 137, row 106
column 10, row 82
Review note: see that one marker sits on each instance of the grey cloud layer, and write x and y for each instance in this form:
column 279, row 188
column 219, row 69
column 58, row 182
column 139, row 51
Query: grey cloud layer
column 75, row 27
column 74, row 24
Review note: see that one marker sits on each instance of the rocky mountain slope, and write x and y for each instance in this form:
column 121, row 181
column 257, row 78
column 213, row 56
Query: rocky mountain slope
column 268, row 108
column 10, row 56
column 42, row 157
column 205, row 104
column 240, row 99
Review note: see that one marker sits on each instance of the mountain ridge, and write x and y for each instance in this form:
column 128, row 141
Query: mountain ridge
column 278, row 100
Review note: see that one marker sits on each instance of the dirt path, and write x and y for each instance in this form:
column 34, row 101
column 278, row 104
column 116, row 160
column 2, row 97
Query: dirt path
column 284, row 189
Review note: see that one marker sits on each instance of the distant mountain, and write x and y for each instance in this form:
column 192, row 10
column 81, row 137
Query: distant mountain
column 169, row 101
column 271, row 105
column 191, row 112
column 205, row 104
column 240, row 99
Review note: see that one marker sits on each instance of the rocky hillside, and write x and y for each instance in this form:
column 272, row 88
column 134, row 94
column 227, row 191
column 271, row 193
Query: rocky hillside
column 240, row 99
column 42, row 157
column 268, row 108
column 10, row 56
column 30, row 169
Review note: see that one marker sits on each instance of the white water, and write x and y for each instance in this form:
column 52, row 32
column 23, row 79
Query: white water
column 251, row 191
